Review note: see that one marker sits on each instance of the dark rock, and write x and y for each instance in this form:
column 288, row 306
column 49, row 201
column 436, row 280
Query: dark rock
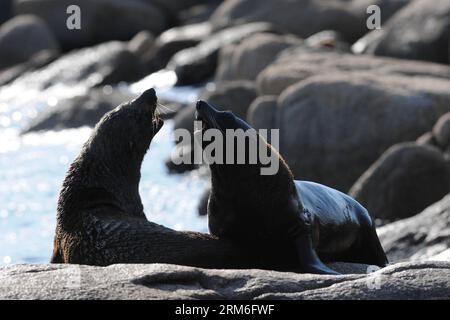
column 304, row 18
column 404, row 181
column 23, row 37
column 423, row 236
column 5, row 10
column 142, row 45
column 197, row 64
column 296, row 64
column 427, row 139
column 252, row 55
column 181, row 151
column 420, row 31
column 101, row 20
column 414, row 280
column 174, row 40
column 334, row 126
column 84, row 110
column 37, row 61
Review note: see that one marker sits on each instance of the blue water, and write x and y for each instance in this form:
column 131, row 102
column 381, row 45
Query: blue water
column 33, row 166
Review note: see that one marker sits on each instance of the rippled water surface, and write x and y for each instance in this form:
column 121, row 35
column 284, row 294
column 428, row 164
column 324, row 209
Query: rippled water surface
column 32, row 168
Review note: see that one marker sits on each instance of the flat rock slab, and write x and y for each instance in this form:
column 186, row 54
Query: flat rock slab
column 413, row 280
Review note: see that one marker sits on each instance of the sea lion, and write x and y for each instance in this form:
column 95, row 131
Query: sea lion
column 266, row 211
column 100, row 217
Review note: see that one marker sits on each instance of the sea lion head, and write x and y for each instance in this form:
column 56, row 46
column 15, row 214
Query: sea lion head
column 213, row 118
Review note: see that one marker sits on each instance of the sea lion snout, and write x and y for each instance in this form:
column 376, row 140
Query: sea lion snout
column 148, row 99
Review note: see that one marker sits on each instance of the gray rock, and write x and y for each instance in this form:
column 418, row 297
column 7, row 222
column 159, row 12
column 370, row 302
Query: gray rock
column 101, row 20
column 421, row 31
column 262, row 113
column 23, row 37
column 334, row 126
column 296, row 64
column 405, row 180
column 420, row 237
column 419, row 280
column 198, row 13
column 252, row 55
column 328, row 39
column 305, row 18
column 176, row 39
column 197, row 64
column 107, row 63
column 83, row 110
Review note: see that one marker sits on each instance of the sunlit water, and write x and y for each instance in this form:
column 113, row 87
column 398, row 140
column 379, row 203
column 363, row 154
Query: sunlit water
column 33, row 166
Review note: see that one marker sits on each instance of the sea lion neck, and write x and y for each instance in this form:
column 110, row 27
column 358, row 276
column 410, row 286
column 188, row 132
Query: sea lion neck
column 109, row 163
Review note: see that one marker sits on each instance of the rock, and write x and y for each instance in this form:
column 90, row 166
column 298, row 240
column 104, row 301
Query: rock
column 83, row 110
column 304, row 18
column 198, row 13
column 176, row 39
column 334, row 126
column 420, row 31
column 37, row 61
column 101, row 20
column 141, row 45
column 328, row 39
column 417, row 280
column 5, row 10
column 263, row 112
column 296, row 64
column 235, row 96
column 427, row 139
column 252, row 55
column 420, row 237
column 106, row 63
column 441, row 131
column 404, row 181
column 23, row 37
column 174, row 6
column 197, row 64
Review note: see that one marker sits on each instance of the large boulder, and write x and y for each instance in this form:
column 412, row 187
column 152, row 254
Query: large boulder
column 252, row 55
column 334, row 126
column 299, row 63
column 419, row 31
column 421, row 237
column 23, row 37
column 418, row 280
column 78, row 111
column 101, row 20
column 405, row 180
column 305, row 17
column 197, row 64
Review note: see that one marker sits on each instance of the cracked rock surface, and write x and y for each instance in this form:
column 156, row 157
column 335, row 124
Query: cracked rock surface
column 412, row 280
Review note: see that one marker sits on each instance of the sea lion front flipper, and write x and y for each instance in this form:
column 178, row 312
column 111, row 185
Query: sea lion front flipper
column 309, row 261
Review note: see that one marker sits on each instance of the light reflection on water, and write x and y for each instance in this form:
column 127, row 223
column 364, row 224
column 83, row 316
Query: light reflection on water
column 32, row 168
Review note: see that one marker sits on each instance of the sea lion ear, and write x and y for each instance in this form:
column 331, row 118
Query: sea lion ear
column 148, row 97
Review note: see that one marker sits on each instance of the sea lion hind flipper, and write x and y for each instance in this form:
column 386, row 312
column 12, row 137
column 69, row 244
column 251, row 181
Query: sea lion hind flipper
column 309, row 261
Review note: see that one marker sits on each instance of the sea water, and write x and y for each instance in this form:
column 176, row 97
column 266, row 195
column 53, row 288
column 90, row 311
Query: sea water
column 32, row 168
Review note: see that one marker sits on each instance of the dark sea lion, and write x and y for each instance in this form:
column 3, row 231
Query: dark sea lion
column 100, row 217
column 275, row 212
